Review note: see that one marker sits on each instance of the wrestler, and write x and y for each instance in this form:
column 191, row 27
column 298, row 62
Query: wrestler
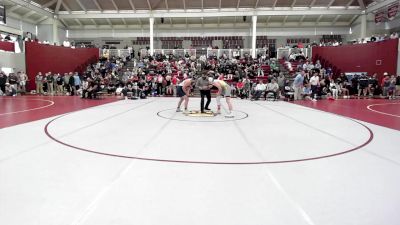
column 223, row 90
column 183, row 91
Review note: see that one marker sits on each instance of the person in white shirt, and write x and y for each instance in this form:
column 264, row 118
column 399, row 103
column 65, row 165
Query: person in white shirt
column 259, row 90
column 23, row 78
column 334, row 88
column 305, row 66
column 314, row 81
column 273, row 88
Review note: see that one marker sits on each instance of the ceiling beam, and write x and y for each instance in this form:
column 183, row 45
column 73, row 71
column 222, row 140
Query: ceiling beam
column 148, row 3
column 115, row 5
column 66, row 7
column 57, row 9
column 97, row 5
column 123, row 20
column 32, row 7
column 49, row 4
column 256, row 5
column 13, row 8
column 109, row 22
column 19, row 17
column 336, row 19
column 166, row 5
column 132, row 5
column 64, row 23
column 293, row 3
column 312, row 3
column 273, row 5
column 79, row 22
column 81, row 5
column 319, row 19
column 238, row 4
column 380, row 5
column 330, row 3
column 361, row 3
column 353, row 19
column 28, row 14
column 212, row 13
column 349, row 4
column 284, row 20
column 202, row 4
column 268, row 18
column 302, row 19
column 93, row 21
column 219, row 6
column 41, row 19
column 184, row 4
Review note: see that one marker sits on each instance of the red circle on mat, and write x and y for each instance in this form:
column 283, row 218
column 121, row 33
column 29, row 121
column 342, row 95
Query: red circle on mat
column 371, row 136
column 22, row 106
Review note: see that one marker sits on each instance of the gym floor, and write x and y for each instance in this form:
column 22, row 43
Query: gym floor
column 65, row 160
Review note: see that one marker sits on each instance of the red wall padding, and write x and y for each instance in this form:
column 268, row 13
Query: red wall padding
column 7, row 46
column 361, row 58
column 56, row 59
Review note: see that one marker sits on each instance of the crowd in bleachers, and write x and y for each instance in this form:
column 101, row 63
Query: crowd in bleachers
column 313, row 82
column 159, row 75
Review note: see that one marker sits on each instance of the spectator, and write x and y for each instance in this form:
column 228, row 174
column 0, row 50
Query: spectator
column 71, row 84
column 334, row 88
column 23, row 78
column 59, row 81
column 67, row 87
column 392, row 87
column 259, row 90
column 3, row 81
column 50, row 83
column 13, row 80
column 77, row 81
column 298, row 85
column 10, row 90
column 398, row 85
column 314, row 81
column 39, row 83
column 385, row 84
column 273, row 88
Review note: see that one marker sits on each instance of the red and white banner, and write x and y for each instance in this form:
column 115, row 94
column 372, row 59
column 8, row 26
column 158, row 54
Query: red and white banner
column 392, row 11
column 380, row 17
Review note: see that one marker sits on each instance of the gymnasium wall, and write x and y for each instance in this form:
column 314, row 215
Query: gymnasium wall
column 16, row 61
column 376, row 57
column 56, row 59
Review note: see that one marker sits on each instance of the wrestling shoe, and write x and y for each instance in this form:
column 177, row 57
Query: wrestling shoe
column 229, row 115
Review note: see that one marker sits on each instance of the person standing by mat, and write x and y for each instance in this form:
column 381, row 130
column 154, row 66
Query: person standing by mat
column 223, row 90
column 204, row 86
column 183, row 92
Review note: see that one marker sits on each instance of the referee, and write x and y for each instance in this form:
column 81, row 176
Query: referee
column 204, row 86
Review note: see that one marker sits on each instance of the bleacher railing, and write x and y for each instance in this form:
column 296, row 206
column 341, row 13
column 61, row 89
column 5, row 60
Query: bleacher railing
column 286, row 52
column 176, row 52
column 229, row 53
column 107, row 53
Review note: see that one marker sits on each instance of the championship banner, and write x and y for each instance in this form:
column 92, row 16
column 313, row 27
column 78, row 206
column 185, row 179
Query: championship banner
column 392, row 11
column 379, row 17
